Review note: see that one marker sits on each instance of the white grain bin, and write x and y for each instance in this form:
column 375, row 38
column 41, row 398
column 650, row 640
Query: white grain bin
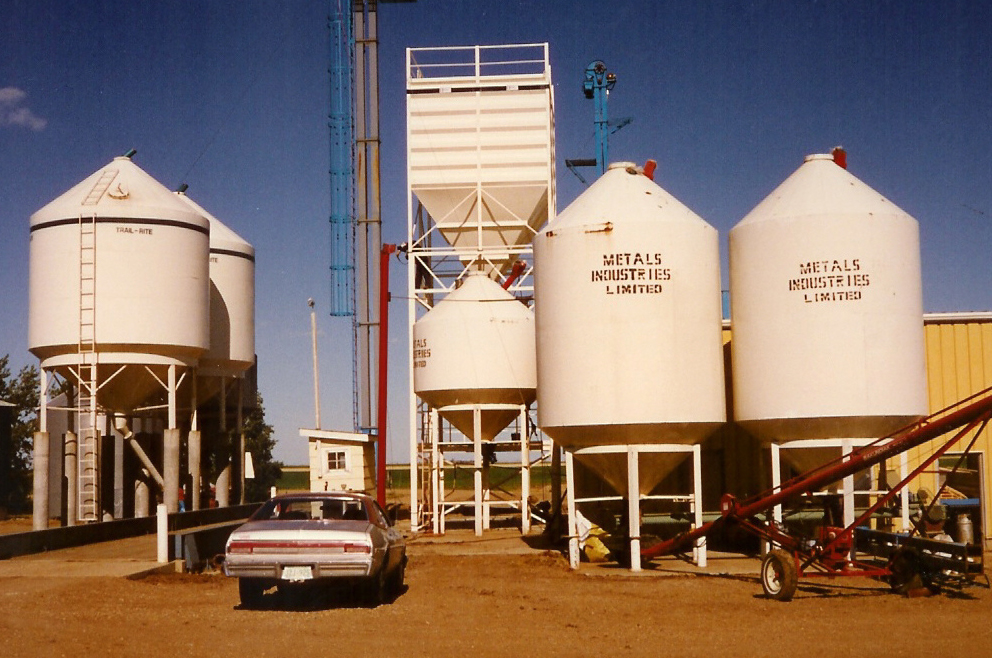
column 629, row 348
column 232, row 300
column 119, row 269
column 826, row 312
column 476, row 346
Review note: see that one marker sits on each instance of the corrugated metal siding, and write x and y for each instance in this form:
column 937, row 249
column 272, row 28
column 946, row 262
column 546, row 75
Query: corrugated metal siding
column 959, row 360
column 959, row 364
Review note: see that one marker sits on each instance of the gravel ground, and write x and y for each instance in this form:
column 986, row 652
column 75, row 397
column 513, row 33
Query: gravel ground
column 483, row 604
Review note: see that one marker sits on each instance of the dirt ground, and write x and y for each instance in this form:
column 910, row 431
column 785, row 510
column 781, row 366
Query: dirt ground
column 484, row 605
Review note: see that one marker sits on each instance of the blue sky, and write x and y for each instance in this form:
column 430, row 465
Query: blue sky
column 232, row 98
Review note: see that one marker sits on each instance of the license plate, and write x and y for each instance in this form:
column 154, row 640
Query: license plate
column 297, row 573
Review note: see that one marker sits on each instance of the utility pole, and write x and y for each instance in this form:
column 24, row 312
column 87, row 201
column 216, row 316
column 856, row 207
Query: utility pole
column 316, row 369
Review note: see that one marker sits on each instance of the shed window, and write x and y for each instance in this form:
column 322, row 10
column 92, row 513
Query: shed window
column 337, row 460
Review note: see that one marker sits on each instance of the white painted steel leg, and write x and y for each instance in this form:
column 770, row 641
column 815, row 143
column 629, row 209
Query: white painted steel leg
column 40, row 482
column 634, row 507
column 776, row 458
column 777, row 477
column 573, row 531
column 414, row 452
column 142, row 496
column 118, row 471
column 173, row 405
column 222, row 486
column 71, row 477
column 194, row 456
column 195, row 450
column 240, row 452
column 848, row 486
column 170, row 471
column 437, row 474
column 699, row 550
column 477, row 448
column 486, row 497
column 162, row 532
column 524, row 473
column 904, row 494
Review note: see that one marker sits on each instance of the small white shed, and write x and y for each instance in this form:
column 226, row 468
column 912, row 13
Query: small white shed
column 340, row 460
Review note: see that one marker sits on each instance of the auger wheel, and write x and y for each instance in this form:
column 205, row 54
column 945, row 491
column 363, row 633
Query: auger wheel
column 778, row 575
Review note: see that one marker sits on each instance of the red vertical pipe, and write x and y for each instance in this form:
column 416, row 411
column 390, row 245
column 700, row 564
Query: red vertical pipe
column 380, row 472
column 518, row 269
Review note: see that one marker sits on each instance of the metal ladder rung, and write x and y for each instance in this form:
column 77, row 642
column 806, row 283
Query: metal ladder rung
column 100, row 187
column 88, row 474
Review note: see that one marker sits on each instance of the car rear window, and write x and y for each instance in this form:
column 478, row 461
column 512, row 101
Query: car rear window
column 305, row 509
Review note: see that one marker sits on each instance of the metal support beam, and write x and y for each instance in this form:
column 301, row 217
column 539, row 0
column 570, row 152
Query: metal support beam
column 573, row 526
column 368, row 234
column 634, row 507
column 477, row 473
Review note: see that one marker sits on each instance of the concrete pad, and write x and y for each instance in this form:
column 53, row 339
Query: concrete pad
column 120, row 558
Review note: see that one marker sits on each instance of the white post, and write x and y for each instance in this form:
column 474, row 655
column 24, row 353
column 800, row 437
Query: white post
column 194, row 450
column 142, row 496
column 699, row 550
column 437, row 476
column 477, row 449
column 222, row 485
column 904, row 494
column 777, row 478
column 415, row 503
column 40, row 489
column 524, row 473
column 41, row 501
column 71, row 477
column 573, row 531
column 242, row 498
column 170, row 469
column 173, row 406
column 776, row 484
column 316, row 369
column 634, row 507
column 848, row 486
column 162, row 527
column 43, row 400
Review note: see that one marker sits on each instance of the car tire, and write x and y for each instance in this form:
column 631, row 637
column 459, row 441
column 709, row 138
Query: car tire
column 397, row 579
column 250, row 590
column 377, row 589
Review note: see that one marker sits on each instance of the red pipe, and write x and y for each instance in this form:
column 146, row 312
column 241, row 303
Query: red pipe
column 970, row 411
column 380, row 474
column 518, row 269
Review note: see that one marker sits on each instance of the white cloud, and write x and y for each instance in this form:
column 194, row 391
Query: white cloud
column 13, row 112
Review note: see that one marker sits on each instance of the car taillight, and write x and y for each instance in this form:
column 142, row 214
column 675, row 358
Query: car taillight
column 249, row 547
column 357, row 548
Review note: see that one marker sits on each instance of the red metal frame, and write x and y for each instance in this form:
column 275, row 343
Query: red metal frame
column 830, row 554
column 380, row 474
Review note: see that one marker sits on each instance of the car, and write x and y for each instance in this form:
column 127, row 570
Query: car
column 317, row 538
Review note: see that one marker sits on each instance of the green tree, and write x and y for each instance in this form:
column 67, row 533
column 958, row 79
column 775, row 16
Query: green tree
column 22, row 392
column 259, row 442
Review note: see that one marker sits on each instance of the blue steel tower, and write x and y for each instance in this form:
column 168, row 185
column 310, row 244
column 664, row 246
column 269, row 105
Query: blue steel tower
column 596, row 86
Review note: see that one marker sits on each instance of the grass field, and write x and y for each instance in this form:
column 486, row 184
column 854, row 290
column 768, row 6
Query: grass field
column 458, row 477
